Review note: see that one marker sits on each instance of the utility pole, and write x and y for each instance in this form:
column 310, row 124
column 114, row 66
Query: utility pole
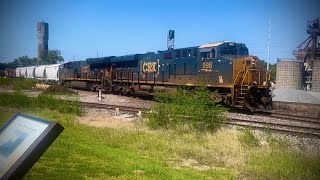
column 269, row 30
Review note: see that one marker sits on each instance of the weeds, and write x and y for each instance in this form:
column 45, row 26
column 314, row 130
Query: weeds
column 53, row 103
column 57, row 89
column 4, row 81
column 276, row 143
column 187, row 109
column 18, row 83
column 283, row 164
column 248, row 139
column 21, row 101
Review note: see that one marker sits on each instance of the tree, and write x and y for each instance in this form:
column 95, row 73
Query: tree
column 54, row 57
column 25, row 61
column 3, row 66
column 273, row 69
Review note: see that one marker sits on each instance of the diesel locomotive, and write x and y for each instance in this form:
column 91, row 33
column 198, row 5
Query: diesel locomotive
column 238, row 80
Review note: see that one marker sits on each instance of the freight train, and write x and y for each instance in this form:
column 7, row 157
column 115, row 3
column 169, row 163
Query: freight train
column 238, row 80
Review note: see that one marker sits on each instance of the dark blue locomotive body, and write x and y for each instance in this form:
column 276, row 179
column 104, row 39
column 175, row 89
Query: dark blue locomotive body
column 224, row 67
column 211, row 62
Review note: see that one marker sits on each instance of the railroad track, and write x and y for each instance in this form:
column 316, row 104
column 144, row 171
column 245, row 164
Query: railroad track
column 303, row 125
column 310, row 131
column 293, row 117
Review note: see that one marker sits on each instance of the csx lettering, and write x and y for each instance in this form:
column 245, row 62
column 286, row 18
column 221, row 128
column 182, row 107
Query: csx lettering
column 149, row 67
column 206, row 65
column 85, row 69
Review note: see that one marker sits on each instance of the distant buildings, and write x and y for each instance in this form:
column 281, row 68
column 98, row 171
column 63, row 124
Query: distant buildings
column 304, row 71
column 43, row 37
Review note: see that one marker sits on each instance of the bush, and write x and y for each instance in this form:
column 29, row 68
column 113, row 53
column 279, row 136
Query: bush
column 190, row 109
column 57, row 89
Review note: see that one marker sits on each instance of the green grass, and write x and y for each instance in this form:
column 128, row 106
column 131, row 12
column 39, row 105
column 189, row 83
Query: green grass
column 43, row 101
column 82, row 152
column 248, row 139
column 18, row 83
column 85, row 152
column 4, row 116
column 284, row 164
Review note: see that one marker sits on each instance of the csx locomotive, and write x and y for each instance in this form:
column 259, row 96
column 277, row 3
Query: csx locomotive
column 238, row 79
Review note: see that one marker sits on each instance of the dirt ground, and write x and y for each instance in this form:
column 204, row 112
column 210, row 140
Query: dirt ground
column 107, row 118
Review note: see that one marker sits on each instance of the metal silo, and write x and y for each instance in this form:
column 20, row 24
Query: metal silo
column 316, row 76
column 289, row 74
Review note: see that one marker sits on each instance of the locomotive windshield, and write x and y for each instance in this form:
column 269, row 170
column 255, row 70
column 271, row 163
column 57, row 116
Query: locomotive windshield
column 228, row 50
column 207, row 55
column 234, row 49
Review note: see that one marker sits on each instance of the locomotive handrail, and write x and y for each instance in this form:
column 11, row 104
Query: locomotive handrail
column 244, row 79
column 235, row 80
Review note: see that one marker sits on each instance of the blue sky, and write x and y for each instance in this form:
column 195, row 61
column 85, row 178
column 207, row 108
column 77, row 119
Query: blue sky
column 80, row 29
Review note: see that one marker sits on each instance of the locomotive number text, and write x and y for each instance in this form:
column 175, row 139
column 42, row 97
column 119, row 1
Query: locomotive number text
column 206, row 65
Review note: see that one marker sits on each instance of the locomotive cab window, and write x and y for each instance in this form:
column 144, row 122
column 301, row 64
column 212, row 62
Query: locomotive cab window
column 228, row 50
column 207, row 55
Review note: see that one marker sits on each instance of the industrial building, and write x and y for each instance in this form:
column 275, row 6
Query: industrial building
column 316, row 76
column 308, row 54
column 43, row 38
column 289, row 74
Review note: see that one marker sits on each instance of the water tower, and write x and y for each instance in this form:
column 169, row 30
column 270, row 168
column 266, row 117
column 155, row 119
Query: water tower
column 43, row 37
column 170, row 40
